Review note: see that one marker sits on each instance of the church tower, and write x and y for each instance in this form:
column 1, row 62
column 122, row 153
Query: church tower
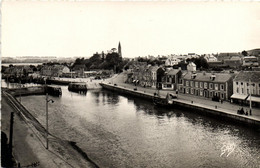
column 119, row 50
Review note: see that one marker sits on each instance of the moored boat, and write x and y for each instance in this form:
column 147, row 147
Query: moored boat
column 167, row 101
column 78, row 87
column 54, row 90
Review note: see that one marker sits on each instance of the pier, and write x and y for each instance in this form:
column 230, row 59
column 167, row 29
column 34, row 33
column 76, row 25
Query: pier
column 26, row 91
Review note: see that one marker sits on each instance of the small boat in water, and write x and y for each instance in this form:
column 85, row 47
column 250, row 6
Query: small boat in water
column 78, row 87
column 168, row 101
column 54, row 90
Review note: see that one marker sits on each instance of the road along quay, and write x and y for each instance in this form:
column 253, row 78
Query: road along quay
column 221, row 113
column 30, row 139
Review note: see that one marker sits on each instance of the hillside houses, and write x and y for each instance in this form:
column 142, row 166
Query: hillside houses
column 191, row 67
column 18, row 70
column 233, row 62
column 54, row 70
column 250, row 61
column 210, row 58
column 171, row 62
column 226, row 56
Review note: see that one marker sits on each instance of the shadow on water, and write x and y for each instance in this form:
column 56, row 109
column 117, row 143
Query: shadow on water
column 83, row 154
column 82, row 93
column 107, row 97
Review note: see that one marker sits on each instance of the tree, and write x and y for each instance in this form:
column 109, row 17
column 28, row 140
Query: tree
column 204, row 63
column 112, row 61
column 103, row 56
column 113, row 49
column 96, row 57
column 244, row 53
column 200, row 62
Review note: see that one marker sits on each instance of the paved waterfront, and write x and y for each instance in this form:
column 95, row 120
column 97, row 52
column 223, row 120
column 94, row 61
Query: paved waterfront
column 201, row 101
column 29, row 145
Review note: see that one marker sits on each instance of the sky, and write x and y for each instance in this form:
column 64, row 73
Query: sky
column 68, row 29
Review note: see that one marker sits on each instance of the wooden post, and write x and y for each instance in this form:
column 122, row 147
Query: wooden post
column 10, row 148
column 250, row 102
column 20, row 91
column 47, row 143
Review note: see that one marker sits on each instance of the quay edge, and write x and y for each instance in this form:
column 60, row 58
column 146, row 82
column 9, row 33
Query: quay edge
column 26, row 91
column 222, row 114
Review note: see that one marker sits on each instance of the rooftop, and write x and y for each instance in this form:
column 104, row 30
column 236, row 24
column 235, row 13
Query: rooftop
column 172, row 71
column 204, row 76
column 254, row 76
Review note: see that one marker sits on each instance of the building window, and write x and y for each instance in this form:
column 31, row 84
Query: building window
column 169, row 86
column 205, row 85
column 242, row 90
column 187, row 90
column 222, row 95
column 201, row 92
column 241, row 83
column 216, row 86
column 187, row 83
column 192, row 91
column 237, row 83
column 211, row 86
column 210, row 94
column 191, row 83
column 196, row 84
column 222, row 87
column 201, row 84
column 237, row 90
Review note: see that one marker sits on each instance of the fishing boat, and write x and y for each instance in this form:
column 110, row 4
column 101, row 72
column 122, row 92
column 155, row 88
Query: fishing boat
column 167, row 101
column 54, row 90
column 78, row 87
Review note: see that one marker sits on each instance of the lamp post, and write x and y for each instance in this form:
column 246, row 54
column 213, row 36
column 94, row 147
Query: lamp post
column 47, row 129
column 250, row 102
column 20, row 91
column 47, row 101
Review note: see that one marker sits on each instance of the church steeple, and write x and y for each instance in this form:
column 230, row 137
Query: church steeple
column 119, row 50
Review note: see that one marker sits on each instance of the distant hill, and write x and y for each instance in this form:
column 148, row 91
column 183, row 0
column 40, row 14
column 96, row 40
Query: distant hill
column 36, row 59
column 255, row 52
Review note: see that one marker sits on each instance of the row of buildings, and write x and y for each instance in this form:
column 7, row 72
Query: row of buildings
column 213, row 61
column 222, row 60
column 55, row 70
column 228, row 86
column 45, row 70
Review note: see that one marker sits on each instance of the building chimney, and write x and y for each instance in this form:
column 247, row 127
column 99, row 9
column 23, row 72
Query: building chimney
column 213, row 76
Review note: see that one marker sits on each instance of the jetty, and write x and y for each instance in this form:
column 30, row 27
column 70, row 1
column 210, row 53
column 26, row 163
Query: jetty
column 26, row 91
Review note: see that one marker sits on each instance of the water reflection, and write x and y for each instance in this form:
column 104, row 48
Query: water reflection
column 83, row 93
column 108, row 97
